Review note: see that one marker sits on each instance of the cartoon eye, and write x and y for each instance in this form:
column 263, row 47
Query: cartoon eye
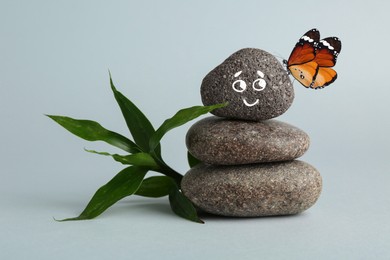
column 239, row 85
column 259, row 84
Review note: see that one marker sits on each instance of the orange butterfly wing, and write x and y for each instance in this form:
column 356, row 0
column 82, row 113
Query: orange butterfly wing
column 326, row 56
column 305, row 73
column 327, row 51
column 302, row 54
column 324, row 77
column 300, row 63
column 304, row 50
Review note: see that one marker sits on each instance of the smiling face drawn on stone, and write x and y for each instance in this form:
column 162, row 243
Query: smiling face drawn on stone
column 258, row 85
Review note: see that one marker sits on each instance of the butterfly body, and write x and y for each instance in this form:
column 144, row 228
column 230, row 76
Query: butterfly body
column 311, row 60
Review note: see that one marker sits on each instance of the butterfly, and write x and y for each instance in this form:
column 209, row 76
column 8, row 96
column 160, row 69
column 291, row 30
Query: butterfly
column 312, row 59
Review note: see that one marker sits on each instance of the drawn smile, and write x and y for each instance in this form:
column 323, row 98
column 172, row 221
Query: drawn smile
column 250, row 104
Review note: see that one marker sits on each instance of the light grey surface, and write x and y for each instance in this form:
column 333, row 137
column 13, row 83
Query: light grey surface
column 55, row 58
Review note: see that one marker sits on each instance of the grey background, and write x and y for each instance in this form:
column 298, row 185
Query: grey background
column 54, row 59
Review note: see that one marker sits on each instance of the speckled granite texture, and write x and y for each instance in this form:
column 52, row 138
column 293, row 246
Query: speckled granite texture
column 269, row 189
column 254, row 83
column 222, row 141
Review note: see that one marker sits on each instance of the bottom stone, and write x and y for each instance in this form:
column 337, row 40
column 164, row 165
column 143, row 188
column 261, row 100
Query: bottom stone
column 253, row 190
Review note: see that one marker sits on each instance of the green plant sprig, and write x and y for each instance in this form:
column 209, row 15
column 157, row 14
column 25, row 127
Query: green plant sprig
column 144, row 155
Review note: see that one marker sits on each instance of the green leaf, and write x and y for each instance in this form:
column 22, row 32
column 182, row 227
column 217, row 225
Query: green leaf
column 182, row 206
column 93, row 131
column 181, row 117
column 138, row 159
column 192, row 161
column 156, row 186
column 124, row 184
column 140, row 127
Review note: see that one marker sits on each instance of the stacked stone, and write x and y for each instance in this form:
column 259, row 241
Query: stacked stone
column 248, row 164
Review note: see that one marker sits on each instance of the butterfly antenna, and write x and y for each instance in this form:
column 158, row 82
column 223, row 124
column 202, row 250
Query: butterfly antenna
column 281, row 60
column 278, row 56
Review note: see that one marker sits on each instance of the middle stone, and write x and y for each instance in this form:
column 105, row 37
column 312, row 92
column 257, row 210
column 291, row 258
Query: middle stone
column 221, row 141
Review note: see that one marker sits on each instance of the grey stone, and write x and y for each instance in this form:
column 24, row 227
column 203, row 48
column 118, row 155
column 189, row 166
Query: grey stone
column 223, row 141
column 255, row 190
column 268, row 91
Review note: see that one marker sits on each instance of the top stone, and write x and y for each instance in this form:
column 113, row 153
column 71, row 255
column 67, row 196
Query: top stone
column 253, row 82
